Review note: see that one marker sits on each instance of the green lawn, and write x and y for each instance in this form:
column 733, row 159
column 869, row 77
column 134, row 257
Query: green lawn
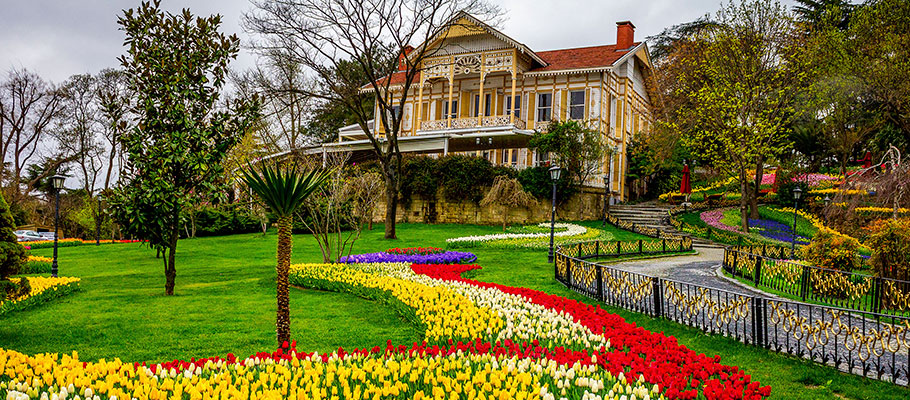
column 225, row 303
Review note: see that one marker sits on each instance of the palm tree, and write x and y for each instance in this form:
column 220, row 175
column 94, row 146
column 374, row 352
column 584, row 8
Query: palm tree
column 283, row 191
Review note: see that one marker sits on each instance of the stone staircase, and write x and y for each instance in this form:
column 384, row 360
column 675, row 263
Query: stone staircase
column 655, row 216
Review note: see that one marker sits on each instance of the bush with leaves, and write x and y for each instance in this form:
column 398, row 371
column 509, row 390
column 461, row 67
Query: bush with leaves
column 536, row 180
column 889, row 240
column 577, row 148
column 828, row 250
column 12, row 255
column 225, row 219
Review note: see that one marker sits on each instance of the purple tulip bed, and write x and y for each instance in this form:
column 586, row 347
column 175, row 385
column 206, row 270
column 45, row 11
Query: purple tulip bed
column 446, row 257
column 776, row 231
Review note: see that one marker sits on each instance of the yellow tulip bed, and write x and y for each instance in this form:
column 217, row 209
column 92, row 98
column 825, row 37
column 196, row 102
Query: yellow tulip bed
column 42, row 289
column 482, row 341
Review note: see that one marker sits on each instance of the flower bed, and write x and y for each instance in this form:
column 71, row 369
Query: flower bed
column 42, row 290
column 777, row 231
column 482, row 341
column 408, row 256
column 565, row 233
column 43, row 244
column 36, row 265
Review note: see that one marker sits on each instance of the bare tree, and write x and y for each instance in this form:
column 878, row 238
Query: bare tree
column 367, row 191
column 341, row 42
column 281, row 84
column 28, row 108
column 77, row 130
column 508, row 194
column 327, row 213
column 114, row 103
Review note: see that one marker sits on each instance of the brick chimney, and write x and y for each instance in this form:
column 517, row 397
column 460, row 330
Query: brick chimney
column 402, row 65
column 625, row 35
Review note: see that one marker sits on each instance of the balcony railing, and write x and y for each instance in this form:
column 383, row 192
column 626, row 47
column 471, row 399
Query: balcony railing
column 472, row 122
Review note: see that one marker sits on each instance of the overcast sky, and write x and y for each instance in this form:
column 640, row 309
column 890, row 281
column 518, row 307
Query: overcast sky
column 61, row 38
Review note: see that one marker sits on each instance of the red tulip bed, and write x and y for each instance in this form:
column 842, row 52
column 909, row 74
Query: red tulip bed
column 635, row 350
column 482, row 340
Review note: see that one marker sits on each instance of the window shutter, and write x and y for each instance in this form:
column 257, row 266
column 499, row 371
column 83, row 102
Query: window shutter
column 532, row 110
column 562, row 106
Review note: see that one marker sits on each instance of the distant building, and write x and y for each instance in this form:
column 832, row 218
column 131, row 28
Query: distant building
column 485, row 93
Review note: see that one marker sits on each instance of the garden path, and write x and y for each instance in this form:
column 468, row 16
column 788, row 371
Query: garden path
column 837, row 348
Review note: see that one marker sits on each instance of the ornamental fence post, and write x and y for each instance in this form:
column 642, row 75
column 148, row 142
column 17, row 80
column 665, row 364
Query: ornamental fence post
column 578, row 251
column 597, row 248
column 764, row 250
column 600, row 282
column 758, row 321
column 804, row 288
column 639, row 247
column 877, row 300
column 758, row 263
column 618, row 247
column 569, row 262
column 663, row 245
column 735, row 262
column 658, row 297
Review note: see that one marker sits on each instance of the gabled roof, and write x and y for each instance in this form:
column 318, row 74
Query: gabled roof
column 582, row 57
column 492, row 31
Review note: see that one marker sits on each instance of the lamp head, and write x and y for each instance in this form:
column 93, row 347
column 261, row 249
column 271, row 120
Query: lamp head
column 57, row 181
column 797, row 193
column 555, row 173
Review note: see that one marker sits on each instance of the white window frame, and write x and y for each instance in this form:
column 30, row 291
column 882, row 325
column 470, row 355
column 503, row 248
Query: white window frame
column 539, row 113
column 575, row 106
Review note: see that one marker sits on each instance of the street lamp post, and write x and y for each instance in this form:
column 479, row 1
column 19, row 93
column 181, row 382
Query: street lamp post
column 555, row 172
column 606, row 197
column 57, row 181
column 825, row 211
column 797, row 193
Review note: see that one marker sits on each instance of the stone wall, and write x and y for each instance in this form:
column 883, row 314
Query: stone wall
column 585, row 205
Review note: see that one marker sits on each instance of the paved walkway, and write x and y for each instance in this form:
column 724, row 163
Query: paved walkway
column 698, row 269
column 793, row 327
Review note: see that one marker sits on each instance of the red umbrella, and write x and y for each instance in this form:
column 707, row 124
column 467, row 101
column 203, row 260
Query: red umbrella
column 686, row 186
column 867, row 160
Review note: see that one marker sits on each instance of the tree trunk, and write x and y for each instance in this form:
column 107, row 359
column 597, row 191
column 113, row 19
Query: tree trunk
column 505, row 217
column 283, row 317
column 170, row 269
column 743, row 200
column 391, row 201
column 756, row 187
column 98, row 223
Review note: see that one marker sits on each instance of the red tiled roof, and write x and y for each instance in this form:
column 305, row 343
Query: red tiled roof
column 557, row 60
column 397, row 79
column 581, row 57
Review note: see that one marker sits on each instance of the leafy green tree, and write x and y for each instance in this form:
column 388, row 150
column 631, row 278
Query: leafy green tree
column 578, row 149
column 12, row 254
column 880, row 45
column 175, row 66
column 739, row 81
column 283, row 192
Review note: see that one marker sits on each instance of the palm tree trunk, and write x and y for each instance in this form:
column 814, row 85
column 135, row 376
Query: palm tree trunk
column 283, row 318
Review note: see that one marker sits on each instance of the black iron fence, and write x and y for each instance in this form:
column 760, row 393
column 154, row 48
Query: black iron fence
column 643, row 230
column 764, row 268
column 871, row 344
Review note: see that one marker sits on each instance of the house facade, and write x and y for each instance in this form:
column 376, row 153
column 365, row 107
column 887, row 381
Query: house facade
column 484, row 93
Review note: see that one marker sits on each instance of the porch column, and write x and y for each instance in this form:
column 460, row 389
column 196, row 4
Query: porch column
column 419, row 104
column 451, row 87
column 481, row 108
column 511, row 102
column 445, row 147
column 324, row 157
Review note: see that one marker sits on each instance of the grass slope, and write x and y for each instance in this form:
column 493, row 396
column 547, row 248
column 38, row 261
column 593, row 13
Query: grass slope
column 225, row 303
